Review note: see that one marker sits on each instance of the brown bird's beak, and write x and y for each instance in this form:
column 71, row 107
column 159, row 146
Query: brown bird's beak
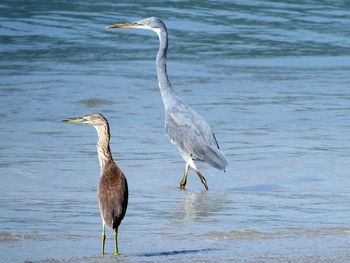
column 76, row 120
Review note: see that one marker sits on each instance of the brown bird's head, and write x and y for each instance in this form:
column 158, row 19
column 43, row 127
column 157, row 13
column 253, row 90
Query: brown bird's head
column 95, row 119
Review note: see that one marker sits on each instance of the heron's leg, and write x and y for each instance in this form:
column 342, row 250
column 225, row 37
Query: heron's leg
column 116, row 252
column 202, row 179
column 184, row 179
column 103, row 237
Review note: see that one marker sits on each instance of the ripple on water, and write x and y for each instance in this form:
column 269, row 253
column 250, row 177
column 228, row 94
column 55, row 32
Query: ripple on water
column 94, row 102
column 279, row 233
column 14, row 237
column 48, row 133
column 7, row 237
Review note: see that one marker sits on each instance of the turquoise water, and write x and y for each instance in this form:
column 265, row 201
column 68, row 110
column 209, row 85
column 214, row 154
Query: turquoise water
column 271, row 78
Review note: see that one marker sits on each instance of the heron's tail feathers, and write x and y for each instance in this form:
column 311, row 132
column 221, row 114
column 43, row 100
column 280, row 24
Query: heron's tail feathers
column 215, row 158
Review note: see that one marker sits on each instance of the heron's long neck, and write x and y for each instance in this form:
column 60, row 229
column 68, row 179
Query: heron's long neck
column 103, row 149
column 166, row 90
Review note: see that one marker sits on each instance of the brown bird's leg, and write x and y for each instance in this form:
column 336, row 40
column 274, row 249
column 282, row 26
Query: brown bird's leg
column 116, row 251
column 103, row 237
column 202, row 179
column 184, row 179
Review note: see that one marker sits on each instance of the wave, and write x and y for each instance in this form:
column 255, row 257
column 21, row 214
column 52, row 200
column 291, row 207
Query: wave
column 279, row 233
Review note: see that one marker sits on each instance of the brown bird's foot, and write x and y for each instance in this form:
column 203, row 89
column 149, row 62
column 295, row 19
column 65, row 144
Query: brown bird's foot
column 103, row 244
column 116, row 251
column 103, row 238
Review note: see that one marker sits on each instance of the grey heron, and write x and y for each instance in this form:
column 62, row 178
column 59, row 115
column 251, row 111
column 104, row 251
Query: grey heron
column 112, row 188
column 185, row 127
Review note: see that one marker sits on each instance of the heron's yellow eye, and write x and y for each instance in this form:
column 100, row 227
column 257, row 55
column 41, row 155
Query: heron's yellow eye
column 146, row 22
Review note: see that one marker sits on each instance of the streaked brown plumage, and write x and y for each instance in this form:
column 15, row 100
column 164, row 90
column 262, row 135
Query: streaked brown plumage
column 112, row 195
column 113, row 187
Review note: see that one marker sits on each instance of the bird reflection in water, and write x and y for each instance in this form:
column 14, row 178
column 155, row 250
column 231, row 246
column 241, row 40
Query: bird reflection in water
column 199, row 206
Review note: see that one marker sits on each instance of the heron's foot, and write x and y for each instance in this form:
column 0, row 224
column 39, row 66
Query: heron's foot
column 116, row 254
column 182, row 188
column 205, row 184
column 183, row 185
column 203, row 180
column 184, row 178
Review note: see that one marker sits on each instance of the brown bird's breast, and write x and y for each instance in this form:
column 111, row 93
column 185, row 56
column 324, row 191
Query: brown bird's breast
column 112, row 196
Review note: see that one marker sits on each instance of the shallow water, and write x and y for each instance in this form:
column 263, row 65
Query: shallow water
column 272, row 79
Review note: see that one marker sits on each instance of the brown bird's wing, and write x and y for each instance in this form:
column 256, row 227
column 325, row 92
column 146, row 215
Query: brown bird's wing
column 112, row 195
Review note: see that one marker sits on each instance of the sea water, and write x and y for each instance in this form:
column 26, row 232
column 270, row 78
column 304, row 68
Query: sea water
column 270, row 77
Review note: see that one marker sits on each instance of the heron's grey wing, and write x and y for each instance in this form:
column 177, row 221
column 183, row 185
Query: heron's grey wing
column 183, row 134
column 192, row 135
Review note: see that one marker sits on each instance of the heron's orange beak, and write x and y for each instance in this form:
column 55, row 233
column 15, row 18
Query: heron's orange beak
column 126, row 25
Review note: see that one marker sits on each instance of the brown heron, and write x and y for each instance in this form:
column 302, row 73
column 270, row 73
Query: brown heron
column 112, row 188
column 185, row 127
